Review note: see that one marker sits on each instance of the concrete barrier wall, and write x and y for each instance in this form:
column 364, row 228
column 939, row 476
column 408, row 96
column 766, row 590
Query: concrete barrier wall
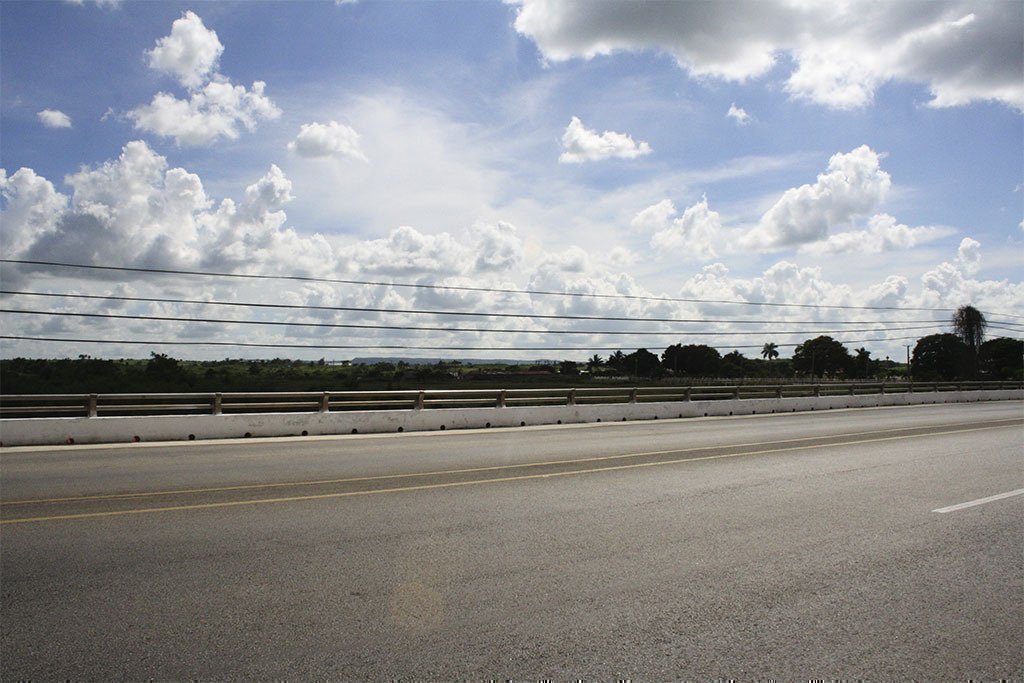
column 80, row 430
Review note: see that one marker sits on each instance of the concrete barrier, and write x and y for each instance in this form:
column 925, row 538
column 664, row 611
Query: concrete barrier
column 82, row 430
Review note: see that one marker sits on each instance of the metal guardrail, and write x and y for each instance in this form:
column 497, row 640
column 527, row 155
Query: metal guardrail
column 93, row 405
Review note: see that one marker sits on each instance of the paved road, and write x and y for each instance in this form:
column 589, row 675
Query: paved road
column 793, row 546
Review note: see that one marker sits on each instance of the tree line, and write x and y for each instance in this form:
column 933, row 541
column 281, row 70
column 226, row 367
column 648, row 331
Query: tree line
column 963, row 354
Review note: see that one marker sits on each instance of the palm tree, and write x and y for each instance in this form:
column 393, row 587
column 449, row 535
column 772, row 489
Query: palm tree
column 862, row 362
column 969, row 324
column 770, row 351
column 594, row 362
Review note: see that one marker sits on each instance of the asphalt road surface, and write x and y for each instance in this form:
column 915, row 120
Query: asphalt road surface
column 816, row 545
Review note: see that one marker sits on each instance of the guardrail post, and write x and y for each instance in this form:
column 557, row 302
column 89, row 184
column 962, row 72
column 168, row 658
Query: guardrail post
column 817, row 390
column 420, row 401
column 686, row 393
column 736, row 393
column 853, row 390
column 910, row 387
column 500, row 401
column 325, row 402
column 632, row 395
column 92, row 406
column 218, row 403
column 778, row 391
column 570, row 399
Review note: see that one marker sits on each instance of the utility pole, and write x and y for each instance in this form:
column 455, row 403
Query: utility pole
column 910, row 376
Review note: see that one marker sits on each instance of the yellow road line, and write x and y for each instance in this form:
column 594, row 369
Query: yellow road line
column 470, row 470
column 496, row 480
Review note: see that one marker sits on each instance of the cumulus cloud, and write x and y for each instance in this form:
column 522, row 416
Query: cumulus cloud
column 572, row 260
column 853, row 185
column 944, row 286
column 219, row 110
column 621, row 258
column 498, row 247
column 53, row 118
column 969, row 255
column 688, row 237
column 962, row 51
column 133, row 209
column 889, row 292
column 654, row 217
column 783, row 282
column 214, row 108
column 882, row 234
column 580, row 144
column 407, row 251
column 332, row 139
column 739, row 115
column 190, row 53
column 251, row 234
column 137, row 210
column 31, row 208
column 952, row 285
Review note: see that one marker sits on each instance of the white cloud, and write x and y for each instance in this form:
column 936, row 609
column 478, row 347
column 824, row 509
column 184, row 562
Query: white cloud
column 498, row 247
column 579, row 144
column 654, row 217
column 739, row 115
column 252, row 235
column 621, row 258
column 572, row 260
column 52, row 118
column 853, row 185
column 444, row 172
column 332, row 139
column 969, row 255
column 32, row 206
column 215, row 108
column 882, row 234
column 133, row 209
column 407, row 251
column 950, row 285
column 890, row 292
column 218, row 110
column 963, row 51
column 689, row 237
column 190, row 53
column 136, row 210
column 783, row 282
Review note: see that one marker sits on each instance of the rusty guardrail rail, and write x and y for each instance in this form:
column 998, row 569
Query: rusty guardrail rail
column 93, row 405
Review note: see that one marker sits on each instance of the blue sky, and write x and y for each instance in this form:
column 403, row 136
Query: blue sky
column 874, row 155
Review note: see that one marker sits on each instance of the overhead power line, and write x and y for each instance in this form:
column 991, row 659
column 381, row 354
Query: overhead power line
column 466, row 288
column 413, row 328
column 408, row 311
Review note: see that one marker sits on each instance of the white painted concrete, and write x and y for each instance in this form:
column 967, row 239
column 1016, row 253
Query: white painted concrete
column 81, row 430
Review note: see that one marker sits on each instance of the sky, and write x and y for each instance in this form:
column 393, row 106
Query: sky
column 851, row 168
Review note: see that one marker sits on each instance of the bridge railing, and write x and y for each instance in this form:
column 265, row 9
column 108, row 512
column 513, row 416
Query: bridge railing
column 93, row 405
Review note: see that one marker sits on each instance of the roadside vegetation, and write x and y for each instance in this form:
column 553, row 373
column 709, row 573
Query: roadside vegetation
column 937, row 357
